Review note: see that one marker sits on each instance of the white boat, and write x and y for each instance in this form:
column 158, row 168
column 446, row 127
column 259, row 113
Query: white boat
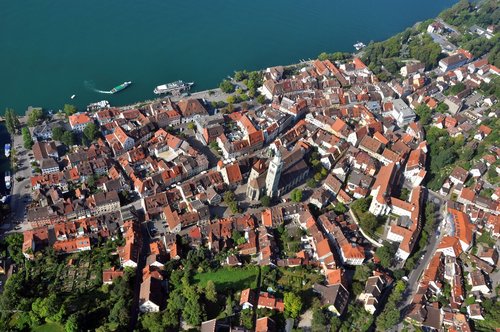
column 7, row 180
column 359, row 45
column 73, row 96
column 98, row 105
column 174, row 87
column 7, row 150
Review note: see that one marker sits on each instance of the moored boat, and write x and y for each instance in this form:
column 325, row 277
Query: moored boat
column 174, row 87
column 359, row 45
column 7, row 180
column 7, row 150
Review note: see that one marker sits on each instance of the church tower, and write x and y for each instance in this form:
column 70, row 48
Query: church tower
column 274, row 174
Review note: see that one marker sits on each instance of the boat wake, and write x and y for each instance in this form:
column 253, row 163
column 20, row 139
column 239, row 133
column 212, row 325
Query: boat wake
column 90, row 85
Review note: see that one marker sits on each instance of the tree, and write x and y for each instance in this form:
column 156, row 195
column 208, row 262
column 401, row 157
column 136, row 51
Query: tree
column 319, row 320
column 226, row 86
column 28, row 141
column 119, row 314
column 191, row 126
column 386, row 253
column 35, row 116
column 91, row 131
column 388, row 318
column 68, row 138
column 361, row 205
column 69, row 109
column 210, row 292
column 362, row 273
column 152, row 322
column 424, row 113
column 265, row 201
column 296, row 195
column 72, row 324
column 240, row 75
column 57, row 133
column 231, row 99
column 229, row 196
column 293, row 305
column 340, row 208
column 261, row 99
column 246, row 318
column 192, row 311
column 311, row 183
column 11, row 120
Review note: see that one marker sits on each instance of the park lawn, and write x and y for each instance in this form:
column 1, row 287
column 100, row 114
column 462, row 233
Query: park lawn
column 230, row 278
column 49, row 327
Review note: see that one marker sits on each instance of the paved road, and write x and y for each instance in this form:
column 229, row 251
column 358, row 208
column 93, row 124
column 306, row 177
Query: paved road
column 434, row 239
column 21, row 190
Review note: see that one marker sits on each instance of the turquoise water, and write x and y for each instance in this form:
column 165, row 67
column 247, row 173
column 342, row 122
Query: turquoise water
column 52, row 49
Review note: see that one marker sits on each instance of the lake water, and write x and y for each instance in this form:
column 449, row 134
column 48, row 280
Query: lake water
column 52, row 49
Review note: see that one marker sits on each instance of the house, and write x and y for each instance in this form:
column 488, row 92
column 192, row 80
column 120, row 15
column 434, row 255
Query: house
column 268, row 301
column 150, row 295
column 402, row 113
column 458, row 176
column 111, row 274
column 191, row 109
column 452, row 62
column 371, row 294
column 230, row 173
column 265, row 324
column 475, row 312
column 44, row 131
column 478, row 282
column 381, row 190
column 44, row 150
column 335, row 297
column 489, row 255
column 454, row 104
column 412, row 68
column 79, row 121
column 478, row 169
column 49, row 166
column 462, row 228
column 248, row 298
column 482, row 132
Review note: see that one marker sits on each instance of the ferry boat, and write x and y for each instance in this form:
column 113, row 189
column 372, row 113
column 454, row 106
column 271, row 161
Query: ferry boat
column 7, row 180
column 7, row 150
column 174, row 87
column 120, row 87
column 359, row 45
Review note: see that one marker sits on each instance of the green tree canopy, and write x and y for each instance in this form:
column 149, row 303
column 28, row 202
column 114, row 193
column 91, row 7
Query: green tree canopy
column 57, row 133
column 265, row 201
column 296, row 195
column 210, row 292
column 293, row 305
column 35, row 116
column 226, row 86
column 69, row 109
column 68, row 138
column 28, row 141
column 91, row 131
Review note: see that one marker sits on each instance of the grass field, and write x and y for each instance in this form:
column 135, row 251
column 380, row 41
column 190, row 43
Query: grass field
column 230, row 278
column 49, row 327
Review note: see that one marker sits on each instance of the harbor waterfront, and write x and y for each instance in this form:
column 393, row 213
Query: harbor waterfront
column 151, row 43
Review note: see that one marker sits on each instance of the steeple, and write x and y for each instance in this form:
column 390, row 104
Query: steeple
column 274, row 174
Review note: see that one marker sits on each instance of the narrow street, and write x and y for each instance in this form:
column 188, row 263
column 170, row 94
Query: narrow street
column 430, row 249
